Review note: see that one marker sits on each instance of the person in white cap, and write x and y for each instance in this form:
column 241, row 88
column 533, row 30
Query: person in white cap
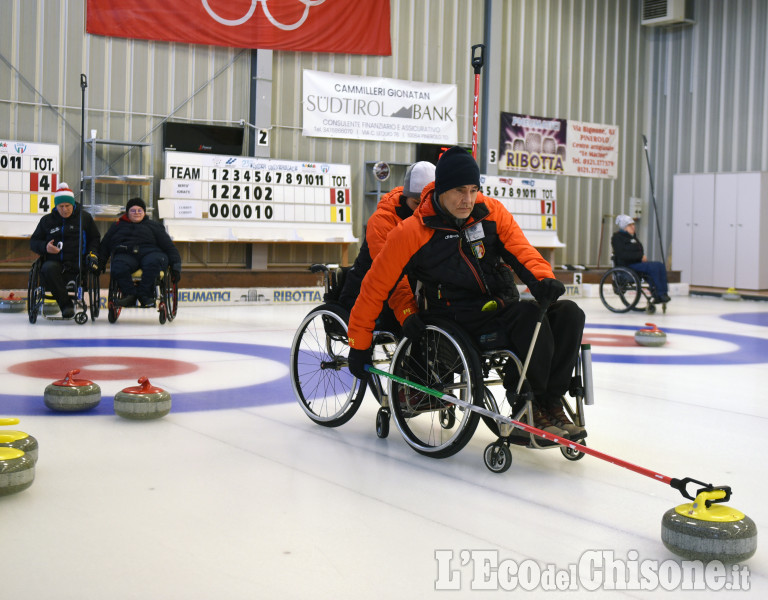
column 393, row 207
column 68, row 239
column 628, row 252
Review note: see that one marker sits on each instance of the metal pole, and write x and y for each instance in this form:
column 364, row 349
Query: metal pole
column 653, row 198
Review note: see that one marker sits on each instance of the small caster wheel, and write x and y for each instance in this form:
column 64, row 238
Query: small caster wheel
column 651, row 308
column 448, row 417
column 498, row 457
column 573, row 453
column 382, row 423
column 81, row 318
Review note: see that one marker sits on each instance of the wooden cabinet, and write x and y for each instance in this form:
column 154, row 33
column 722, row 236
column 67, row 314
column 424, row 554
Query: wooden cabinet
column 717, row 237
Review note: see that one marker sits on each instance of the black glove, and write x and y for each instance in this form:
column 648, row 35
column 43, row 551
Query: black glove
column 176, row 273
column 357, row 361
column 413, row 327
column 547, row 291
column 92, row 260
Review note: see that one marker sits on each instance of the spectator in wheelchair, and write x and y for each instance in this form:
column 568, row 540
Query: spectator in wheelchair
column 68, row 240
column 628, row 252
column 395, row 206
column 136, row 242
column 462, row 248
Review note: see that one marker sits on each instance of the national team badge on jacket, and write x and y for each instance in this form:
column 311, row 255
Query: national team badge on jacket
column 478, row 248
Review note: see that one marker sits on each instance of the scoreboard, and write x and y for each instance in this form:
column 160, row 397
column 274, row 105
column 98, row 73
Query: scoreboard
column 533, row 203
column 222, row 197
column 28, row 177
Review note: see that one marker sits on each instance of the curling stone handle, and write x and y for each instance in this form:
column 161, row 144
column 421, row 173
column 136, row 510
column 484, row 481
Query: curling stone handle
column 682, row 484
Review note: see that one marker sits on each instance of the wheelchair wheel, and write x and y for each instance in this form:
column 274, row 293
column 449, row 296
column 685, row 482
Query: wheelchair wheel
column 444, row 359
column 572, row 453
column 171, row 299
column 94, row 294
column 113, row 310
column 327, row 392
column 497, row 457
column 35, row 292
column 620, row 289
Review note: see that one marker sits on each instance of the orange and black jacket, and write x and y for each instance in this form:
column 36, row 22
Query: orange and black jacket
column 460, row 268
column 391, row 209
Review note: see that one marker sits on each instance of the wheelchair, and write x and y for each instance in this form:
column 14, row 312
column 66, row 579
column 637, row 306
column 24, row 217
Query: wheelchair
column 166, row 294
column 40, row 302
column 623, row 290
column 445, row 359
column 327, row 392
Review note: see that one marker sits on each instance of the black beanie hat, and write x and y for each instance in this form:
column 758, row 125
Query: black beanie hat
column 135, row 202
column 455, row 168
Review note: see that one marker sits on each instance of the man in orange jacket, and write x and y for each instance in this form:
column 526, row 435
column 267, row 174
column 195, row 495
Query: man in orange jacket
column 395, row 206
column 460, row 246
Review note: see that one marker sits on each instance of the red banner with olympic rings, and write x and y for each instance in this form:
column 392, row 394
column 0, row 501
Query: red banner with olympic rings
column 335, row 26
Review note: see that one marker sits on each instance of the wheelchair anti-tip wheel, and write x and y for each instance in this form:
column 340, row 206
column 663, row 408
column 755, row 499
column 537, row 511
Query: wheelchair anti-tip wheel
column 497, row 457
column 620, row 289
column 444, row 360
column 327, row 392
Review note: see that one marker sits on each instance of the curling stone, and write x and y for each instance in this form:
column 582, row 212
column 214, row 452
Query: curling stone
column 50, row 307
column 731, row 294
column 651, row 336
column 17, row 471
column 142, row 402
column 71, row 395
column 715, row 532
column 19, row 440
column 12, row 304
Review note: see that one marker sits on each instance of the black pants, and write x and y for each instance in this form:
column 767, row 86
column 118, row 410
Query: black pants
column 555, row 352
column 54, row 275
column 150, row 264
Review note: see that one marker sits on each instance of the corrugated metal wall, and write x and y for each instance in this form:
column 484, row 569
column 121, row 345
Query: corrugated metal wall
column 580, row 60
column 431, row 42
column 698, row 92
column 708, row 96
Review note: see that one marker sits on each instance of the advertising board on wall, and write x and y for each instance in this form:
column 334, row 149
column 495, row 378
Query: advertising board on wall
column 558, row 146
column 378, row 109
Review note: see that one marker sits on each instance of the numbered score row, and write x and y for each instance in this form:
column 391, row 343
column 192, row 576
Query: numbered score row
column 217, row 191
column 255, row 212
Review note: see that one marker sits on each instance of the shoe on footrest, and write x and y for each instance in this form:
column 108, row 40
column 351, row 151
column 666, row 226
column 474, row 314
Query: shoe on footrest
column 559, row 418
column 68, row 310
column 126, row 301
column 541, row 421
column 147, row 302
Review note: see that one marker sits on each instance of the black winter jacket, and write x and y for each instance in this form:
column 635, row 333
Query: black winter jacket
column 53, row 227
column 627, row 249
column 138, row 239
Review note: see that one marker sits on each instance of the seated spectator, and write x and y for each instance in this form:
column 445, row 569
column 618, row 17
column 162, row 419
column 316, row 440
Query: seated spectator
column 136, row 242
column 628, row 252
column 57, row 238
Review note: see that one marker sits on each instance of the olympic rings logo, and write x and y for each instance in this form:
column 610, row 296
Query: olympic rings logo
column 235, row 22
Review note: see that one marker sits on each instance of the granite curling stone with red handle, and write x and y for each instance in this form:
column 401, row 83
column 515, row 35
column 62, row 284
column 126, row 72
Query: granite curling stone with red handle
column 142, row 402
column 72, row 395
